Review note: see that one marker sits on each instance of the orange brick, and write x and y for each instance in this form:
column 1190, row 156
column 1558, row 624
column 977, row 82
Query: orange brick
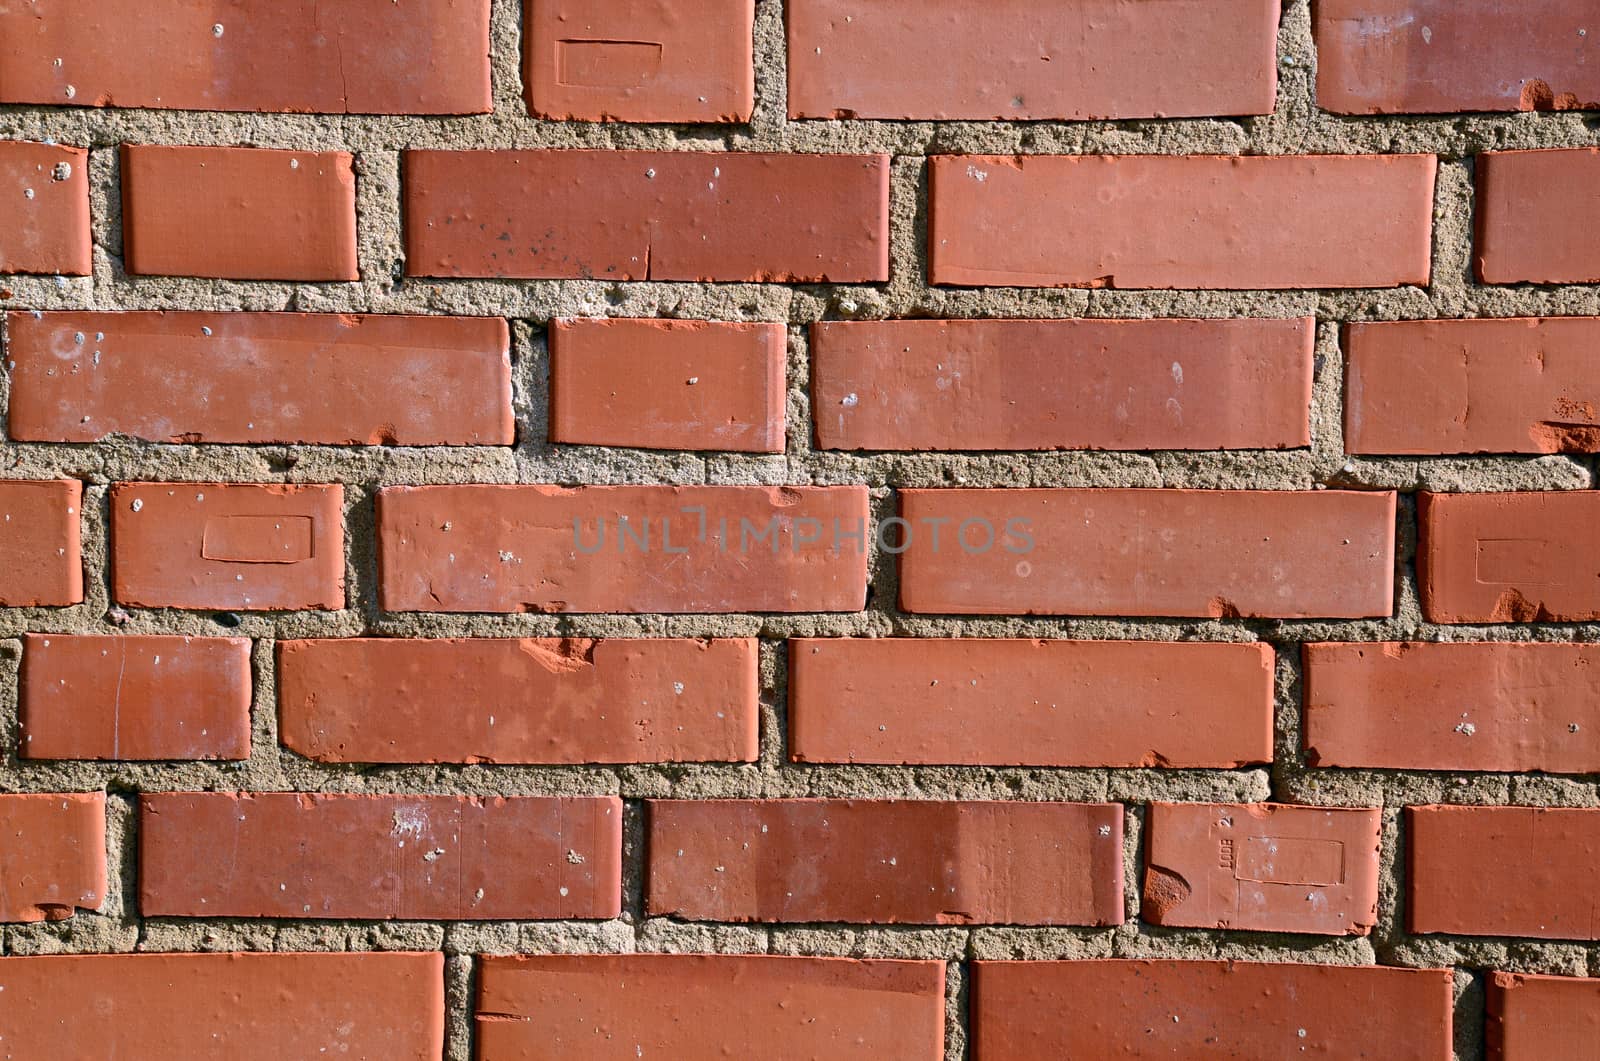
column 40, row 540
column 52, row 857
column 1531, row 1018
column 1538, row 217
column 44, row 213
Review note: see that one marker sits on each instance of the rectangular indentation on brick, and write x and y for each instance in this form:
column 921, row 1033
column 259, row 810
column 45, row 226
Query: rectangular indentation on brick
column 1289, row 860
column 1520, row 560
column 607, row 64
column 258, row 539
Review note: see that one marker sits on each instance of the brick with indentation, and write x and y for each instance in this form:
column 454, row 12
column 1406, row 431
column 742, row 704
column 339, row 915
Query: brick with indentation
column 135, row 697
column 322, row 56
column 40, row 540
column 668, row 384
column 682, row 549
column 639, row 61
column 1023, row 1011
column 44, row 206
column 1498, row 558
column 1458, row 706
column 1533, row 1018
column 1280, row 554
column 993, row 702
column 1062, row 384
column 334, row 379
column 582, row 1006
column 1031, row 59
column 1502, row 871
column 1437, row 56
column 1538, row 217
column 531, row 700
column 223, row 1007
column 238, row 213
column 1264, row 867
column 886, row 861
column 1192, row 221
column 281, row 854
column 647, row 215
column 250, row 546
column 1515, row 385
column 52, row 857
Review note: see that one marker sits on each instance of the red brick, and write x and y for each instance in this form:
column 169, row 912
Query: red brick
column 328, row 56
column 1463, row 706
column 647, row 215
column 1498, row 558
column 1436, row 56
column 44, row 219
column 587, row 1007
column 1538, row 217
column 1502, row 871
column 634, row 61
column 239, row 213
column 249, row 546
column 1216, row 553
column 52, row 858
column 1262, row 867
column 1532, row 1018
column 1062, row 384
column 659, row 384
column 533, row 700
column 995, row 702
column 1023, row 1011
column 135, row 697
column 39, row 537
column 539, row 548
column 1516, row 385
column 223, row 1007
column 886, row 861
column 1152, row 221
column 333, row 379
column 1033, row 59
column 284, row 854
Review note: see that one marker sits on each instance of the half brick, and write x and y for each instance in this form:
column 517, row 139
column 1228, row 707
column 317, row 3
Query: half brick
column 250, row 546
column 1263, row 867
column 993, row 702
column 52, row 859
column 223, row 1007
column 134, row 697
column 580, row 1007
column 1538, row 216
column 44, row 219
column 668, row 384
column 622, row 548
column 533, row 700
column 324, row 378
column 1531, row 1018
column 420, row 858
column 1191, row 221
column 1278, row 554
column 647, row 215
column 41, row 541
column 886, row 861
column 1062, row 384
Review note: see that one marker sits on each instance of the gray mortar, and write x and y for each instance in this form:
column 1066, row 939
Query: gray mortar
column 1296, row 127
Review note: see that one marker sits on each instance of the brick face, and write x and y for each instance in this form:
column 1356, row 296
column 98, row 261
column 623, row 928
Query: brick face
column 1030, row 59
column 53, row 860
column 1161, row 222
column 44, row 216
column 223, row 1007
column 41, row 541
column 1538, row 217
column 335, row 379
column 1532, row 1017
column 647, row 215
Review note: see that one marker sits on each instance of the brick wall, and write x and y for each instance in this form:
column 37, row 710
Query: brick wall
column 844, row 528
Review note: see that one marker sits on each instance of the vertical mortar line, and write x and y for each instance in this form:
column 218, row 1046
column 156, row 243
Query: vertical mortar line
column 774, row 705
column 1288, row 685
column 122, row 858
column 770, row 57
column 799, row 417
column 265, row 764
column 505, row 63
column 1470, row 1013
column 635, row 866
column 105, row 221
column 460, row 988
column 95, row 536
column 958, row 1007
column 910, row 275
column 1452, row 287
column 1133, row 826
column 10, row 712
column 379, row 250
column 530, row 374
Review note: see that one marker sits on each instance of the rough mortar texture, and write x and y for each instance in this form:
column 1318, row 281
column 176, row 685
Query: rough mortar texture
column 1296, row 127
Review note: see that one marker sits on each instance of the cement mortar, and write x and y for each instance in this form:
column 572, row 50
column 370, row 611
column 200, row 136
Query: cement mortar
column 1297, row 127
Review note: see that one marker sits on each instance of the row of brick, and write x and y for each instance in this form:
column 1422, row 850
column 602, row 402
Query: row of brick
column 1175, row 384
column 581, row 1006
column 692, row 60
column 1492, row 706
column 1130, row 221
column 1243, row 867
column 1486, row 557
